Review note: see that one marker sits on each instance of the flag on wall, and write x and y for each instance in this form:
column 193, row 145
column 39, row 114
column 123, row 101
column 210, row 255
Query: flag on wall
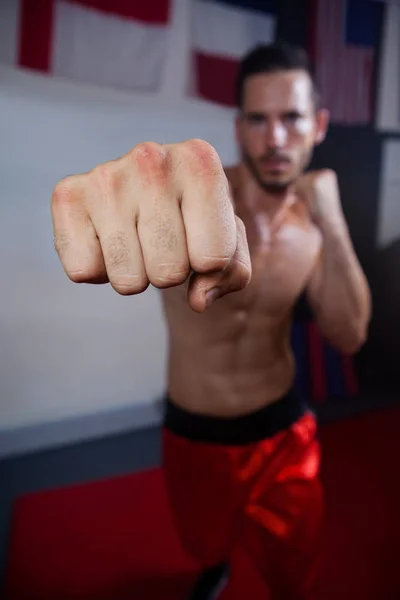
column 344, row 36
column 223, row 31
column 118, row 43
column 322, row 373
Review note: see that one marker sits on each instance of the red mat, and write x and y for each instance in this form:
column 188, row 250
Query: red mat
column 114, row 539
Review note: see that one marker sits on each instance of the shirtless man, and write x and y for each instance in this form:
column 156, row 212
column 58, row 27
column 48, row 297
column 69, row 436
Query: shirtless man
column 241, row 457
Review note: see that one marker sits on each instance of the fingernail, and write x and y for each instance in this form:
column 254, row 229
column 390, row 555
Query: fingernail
column 212, row 296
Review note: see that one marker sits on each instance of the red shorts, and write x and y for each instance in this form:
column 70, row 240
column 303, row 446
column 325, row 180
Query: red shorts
column 251, row 480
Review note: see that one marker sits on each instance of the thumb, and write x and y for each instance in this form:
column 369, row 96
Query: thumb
column 205, row 289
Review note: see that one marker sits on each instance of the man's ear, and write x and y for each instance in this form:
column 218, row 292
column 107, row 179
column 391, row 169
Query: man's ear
column 322, row 124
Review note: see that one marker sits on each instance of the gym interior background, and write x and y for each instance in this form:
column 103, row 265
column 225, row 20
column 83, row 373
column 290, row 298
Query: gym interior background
column 82, row 369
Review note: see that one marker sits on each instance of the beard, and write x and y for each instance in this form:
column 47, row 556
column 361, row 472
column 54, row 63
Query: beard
column 275, row 187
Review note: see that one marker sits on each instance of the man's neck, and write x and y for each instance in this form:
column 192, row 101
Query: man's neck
column 258, row 200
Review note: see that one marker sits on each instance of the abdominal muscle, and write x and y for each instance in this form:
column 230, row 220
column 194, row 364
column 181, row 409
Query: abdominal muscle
column 228, row 373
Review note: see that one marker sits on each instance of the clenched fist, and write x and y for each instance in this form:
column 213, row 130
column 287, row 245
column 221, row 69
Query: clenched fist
column 159, row 214
column 320, row 191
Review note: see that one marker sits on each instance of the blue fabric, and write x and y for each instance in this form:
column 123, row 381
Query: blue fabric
column 363, row 22
column 336, row 385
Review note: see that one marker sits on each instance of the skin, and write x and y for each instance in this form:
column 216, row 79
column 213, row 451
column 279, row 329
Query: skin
column 255, row 232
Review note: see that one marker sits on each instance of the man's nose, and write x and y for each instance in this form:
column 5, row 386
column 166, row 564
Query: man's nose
column 276, row 134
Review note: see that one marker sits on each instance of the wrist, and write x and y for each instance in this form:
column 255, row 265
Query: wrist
column 333, row 225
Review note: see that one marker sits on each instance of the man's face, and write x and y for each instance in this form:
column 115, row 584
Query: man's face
column 278, row 127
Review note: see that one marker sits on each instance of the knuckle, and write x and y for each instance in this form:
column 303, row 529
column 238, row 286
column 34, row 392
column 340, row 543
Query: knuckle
column 62, row 241
column 203, row 156
column 327, row 177
column 129, row 285
column 65, row 191
column 150, row 160
column 239, row 277
column 244, row 275
column 116, row 249
column 80, row 276
column 210, row 264
column 329, row 174
column 148, row 151
column 170, row 275
column 241, row 227
column 201, row 148
column 118, row 259
column 105, row 178
column 90, row 274
column 162, row 232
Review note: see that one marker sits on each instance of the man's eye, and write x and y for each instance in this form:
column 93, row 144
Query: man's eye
column 256, row 119
column 292, row 117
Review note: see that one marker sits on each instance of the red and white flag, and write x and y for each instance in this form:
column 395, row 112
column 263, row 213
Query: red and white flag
column 222, row 32
column 117, row 43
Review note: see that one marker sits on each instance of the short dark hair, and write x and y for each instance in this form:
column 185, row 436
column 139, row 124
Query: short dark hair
column 270, row 58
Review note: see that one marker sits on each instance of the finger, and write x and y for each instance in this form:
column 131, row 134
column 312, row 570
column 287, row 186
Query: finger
column 206, row 208
column 123, row 255
column 161, row 229
column 204, row 290
column 114, row 220
column 75, row 238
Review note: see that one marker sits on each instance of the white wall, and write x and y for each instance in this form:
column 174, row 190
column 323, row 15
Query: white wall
column 388, row 79
column 66, row 350
column 77, row 361
column 388, row 122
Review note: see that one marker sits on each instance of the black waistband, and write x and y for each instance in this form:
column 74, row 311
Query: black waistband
column 246, row 429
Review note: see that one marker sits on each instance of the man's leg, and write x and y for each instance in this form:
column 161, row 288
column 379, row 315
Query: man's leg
column 285, row 547
column 283, row 516
column 201, row 494
column 211, row 583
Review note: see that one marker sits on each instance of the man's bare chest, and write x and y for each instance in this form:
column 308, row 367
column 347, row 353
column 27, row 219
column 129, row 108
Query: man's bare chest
column 282, row 263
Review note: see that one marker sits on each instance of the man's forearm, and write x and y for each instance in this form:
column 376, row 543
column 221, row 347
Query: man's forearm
column 339, row 292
